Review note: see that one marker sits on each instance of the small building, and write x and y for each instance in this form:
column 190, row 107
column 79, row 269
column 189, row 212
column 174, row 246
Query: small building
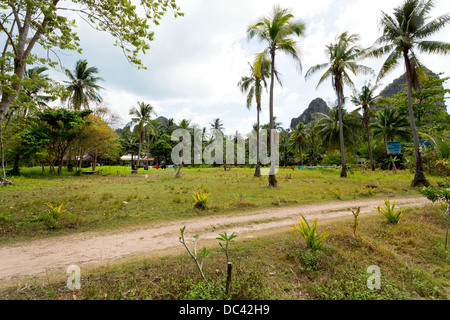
column 129, row 160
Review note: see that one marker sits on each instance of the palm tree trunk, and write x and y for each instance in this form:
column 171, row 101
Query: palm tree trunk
column 181, row 159
column 272, row 177
column 301, row 154
column 139, row 152
column 419, row 178
column 369, row 144
column 340, row 95
column 258, row 167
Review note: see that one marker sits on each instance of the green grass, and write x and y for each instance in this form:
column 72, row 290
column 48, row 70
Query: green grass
column 106, row 202
column 413, row 263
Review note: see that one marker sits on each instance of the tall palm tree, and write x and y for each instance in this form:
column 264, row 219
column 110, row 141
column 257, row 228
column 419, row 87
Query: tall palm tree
column 141, row 118
column 367, row 99
column 343, row 57
column 277, row 32
column 298, row 137
column 82, row 86
column 403, row 33
column 390, row 125
column 252, row 85
column 329, row 128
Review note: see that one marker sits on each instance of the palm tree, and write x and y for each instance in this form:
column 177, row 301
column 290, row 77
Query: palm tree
column 390, row 125
column 329, row 128
column 298, row 137
column 277, row 31
column 82, row 87
column 141, row 118
column 367, row 99
column 253, row 85
column 403, row 34
column 342, row 57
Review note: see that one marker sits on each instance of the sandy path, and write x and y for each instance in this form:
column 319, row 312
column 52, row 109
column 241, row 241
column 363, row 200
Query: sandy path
column 58, row 253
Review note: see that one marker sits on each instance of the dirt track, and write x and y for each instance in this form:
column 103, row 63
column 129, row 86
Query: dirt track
column 40, row 256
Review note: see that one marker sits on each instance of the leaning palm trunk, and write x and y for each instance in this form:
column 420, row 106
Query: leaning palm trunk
column 258, row 166
column 340, row 94
column 272, row 177
column 369, row 143
column 140, row 148
column 181, row 159
column 419, row 178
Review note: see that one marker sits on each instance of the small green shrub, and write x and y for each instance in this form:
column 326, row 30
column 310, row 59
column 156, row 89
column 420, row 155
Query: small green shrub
column 200, row 200
column 52, row 216
column 389, row 212
column 313, row 241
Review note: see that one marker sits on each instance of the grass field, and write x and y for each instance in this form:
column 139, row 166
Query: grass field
column 410, row 255
column 108, row 201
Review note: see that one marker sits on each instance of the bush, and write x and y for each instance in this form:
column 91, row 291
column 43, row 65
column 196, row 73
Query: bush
column 332, row 159
column 389, row 212
column 200, row 200
column 51, row 217
column 308, row 232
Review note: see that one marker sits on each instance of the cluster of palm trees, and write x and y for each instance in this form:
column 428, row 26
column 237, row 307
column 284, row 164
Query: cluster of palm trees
column 404, row 34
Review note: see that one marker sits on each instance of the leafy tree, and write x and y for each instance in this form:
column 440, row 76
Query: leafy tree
column 56, row 129
column 28, row 25
column 277, row 32
column 342, row 58
column 98, row 140
column 162, row 150
column 404, row 32
column 82, row 87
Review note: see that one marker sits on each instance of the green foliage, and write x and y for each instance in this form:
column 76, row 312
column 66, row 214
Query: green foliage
column 200, row 200
column 389, row 212
column 52, row 216
column 313, row 241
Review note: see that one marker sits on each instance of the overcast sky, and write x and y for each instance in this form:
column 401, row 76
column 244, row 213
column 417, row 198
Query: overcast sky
column 197, row 60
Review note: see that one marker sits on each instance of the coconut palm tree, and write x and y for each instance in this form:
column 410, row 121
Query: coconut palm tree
column 277, row 32
column 82, row 86
column 329, row 128
column 252, row 85
column 298, row 138
column 390, row 125
column 403, row 34
column 367, row 99
column 342, row 58
column 141, row 118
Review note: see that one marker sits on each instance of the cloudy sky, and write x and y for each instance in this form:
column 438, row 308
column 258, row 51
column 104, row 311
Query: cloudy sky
column 197, row 60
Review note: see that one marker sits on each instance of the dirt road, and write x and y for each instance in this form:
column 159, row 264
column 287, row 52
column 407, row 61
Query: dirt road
column 58, row 253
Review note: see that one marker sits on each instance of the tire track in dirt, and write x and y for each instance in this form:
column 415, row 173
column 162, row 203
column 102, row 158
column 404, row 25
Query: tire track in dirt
column 40, row 256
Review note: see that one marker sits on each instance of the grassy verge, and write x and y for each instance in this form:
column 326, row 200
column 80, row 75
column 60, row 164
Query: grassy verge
column 111, row 202
column 410, row 255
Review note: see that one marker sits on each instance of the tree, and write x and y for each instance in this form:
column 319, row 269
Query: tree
column 98, row 140
column 30, row 24
column 329, row 128
column 277, row 32
column 403, row 34
column 342, row 57
column 367, row 100
column 57, row 129
column 252, row 85
column 162, row 150
column 141, row 117
column 82, row 87
column 298, row 137
column 390, row 125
